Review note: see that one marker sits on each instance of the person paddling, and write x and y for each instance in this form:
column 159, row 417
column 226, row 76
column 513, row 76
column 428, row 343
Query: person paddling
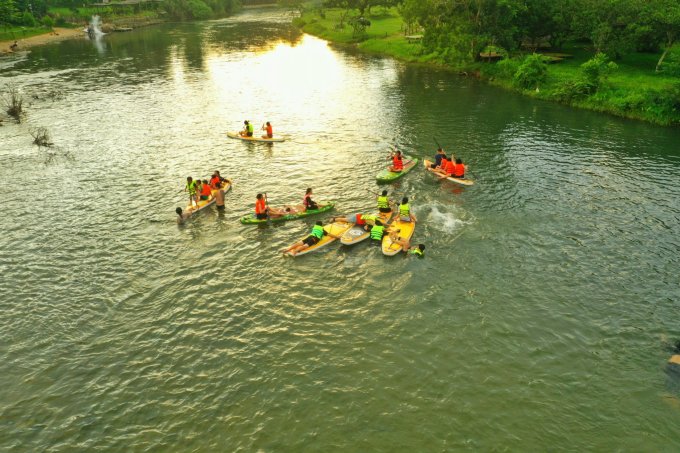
column 206, row 190
column 384, row 203
column 261, row 209
column 397, row 162
column 438, row 158
column 247, row 129
column 269, row 129
column 405, row 214
column 307, row 201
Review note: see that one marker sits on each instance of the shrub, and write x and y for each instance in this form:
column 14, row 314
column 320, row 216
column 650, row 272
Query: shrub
column 48, row 22
column 531, row 72
column 506, row 68
column 596, row 70
column 27, row 19
column 570, row 90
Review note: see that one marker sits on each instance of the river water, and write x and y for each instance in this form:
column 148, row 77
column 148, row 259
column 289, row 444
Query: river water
column 538, row 319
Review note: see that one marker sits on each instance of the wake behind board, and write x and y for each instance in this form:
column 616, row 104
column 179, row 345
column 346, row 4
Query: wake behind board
column 462, row 181
column 390, row 248
column 254, row 138
column 389, row 176
column 337, row 229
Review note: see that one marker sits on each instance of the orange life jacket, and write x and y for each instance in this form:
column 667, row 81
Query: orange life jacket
column 215, row 182
column 206, row 190
column 449, row 167
column 397, row 163
column 270, row 131
column 459, row 170
column 260, row 207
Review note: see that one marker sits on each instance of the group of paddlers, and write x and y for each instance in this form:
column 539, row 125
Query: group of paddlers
column 248, row 130
column 203, row 190
column 443, row 166
column 376, row 224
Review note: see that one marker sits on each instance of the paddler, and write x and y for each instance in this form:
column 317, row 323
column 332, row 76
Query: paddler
column 307, row 201
column 261, row 209
column 216, row 180
column 314, row 237
column 191, row 189
column 441, row 168
column 405, row 214
column 438, row 158
column 269, row 130
column 459, row 169
column 247, row 129
column 384, row 203
column 397, row 162
column 378, row 231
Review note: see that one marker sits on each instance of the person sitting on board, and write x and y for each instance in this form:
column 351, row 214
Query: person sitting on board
column 261, row 209
column 384, row 203
column 447, row 169
column 216, row 180
column 396, row 239
column 438, row 158
column 405, row 214
column 459, row 169
column 314, row 237
column 247, row 129
column 307, row 201
column 377, row 231
column 191, row 189
column 441, row 168
column 397, row 162
column 269, row 129
column 206, row 190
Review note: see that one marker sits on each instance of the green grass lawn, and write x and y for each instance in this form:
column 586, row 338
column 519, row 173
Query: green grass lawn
column 10, row 33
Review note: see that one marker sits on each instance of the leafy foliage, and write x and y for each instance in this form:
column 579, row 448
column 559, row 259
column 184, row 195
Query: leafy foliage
column 531, row 72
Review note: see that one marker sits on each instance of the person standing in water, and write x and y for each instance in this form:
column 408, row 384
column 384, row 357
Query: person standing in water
column 269, row 130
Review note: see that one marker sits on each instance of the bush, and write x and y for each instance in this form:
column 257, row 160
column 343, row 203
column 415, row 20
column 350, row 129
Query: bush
column 596, row 70
column 199, row 10
column 531, row 72
column 506, row 68
column 570, row 90
column 27, row 19
column 48, row 22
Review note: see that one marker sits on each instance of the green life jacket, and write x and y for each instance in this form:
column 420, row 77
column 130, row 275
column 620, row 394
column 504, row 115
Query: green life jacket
column 404, row 210
column 250, row 128
column 416, row 251
column 383, row 202
column 317, row 231
column 377, row 232
column 369, row 218
column 191, row 187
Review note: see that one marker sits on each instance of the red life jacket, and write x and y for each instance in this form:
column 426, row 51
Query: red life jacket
column 260, row 207
column 215, row 182
column 397, row 163
column 206, row 190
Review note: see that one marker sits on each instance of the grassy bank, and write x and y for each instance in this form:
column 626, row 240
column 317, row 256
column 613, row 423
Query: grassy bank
column 632, row 90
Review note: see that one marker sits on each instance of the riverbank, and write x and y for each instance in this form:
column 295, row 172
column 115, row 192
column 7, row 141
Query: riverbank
column 633, row 90
column 57, row 34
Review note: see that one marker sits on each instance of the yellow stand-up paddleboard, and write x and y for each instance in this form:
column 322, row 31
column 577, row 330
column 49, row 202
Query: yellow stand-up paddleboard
column 358, row 233
column 202, row 204
column 254, row 138
column 337, row 229
column 406, row 230
column 461, row 181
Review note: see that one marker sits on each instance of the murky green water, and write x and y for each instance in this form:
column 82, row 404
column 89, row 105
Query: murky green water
column 536, row 321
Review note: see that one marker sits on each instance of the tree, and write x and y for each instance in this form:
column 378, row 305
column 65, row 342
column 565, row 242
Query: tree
column 665, row 18
column 7, row 11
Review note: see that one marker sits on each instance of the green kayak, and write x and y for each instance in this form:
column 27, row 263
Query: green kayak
column 250, row 219
column 389, row 176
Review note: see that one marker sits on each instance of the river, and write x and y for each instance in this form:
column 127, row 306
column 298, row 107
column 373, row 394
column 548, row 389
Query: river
column 538, row 319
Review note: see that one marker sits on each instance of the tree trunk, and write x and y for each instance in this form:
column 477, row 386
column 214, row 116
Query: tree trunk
column 669, row 44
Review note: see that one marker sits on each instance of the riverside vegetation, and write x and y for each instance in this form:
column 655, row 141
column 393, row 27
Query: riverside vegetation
column 619, row 57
